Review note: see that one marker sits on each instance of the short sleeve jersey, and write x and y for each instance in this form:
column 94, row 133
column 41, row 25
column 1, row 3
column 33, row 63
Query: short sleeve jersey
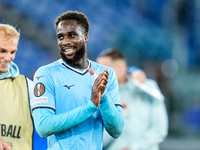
column 62, row 88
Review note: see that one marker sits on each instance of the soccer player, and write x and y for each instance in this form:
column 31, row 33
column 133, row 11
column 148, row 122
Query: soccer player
column 74, row 98
column 16, row 125
column 145, row 115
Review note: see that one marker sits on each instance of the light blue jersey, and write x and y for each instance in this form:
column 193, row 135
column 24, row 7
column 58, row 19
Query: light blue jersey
column 65, row 92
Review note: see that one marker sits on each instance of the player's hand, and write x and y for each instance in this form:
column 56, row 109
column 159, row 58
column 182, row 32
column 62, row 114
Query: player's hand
column 4, row 145
column 99, row 86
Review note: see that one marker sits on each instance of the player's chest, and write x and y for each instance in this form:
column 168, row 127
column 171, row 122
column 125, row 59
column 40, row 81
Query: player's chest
column 73, row 88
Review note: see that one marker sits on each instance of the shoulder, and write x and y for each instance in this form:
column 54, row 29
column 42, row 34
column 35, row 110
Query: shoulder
column 153, row 85
column 96, row 66
column 29, row 81
column 48, row 67
column 151, row 82
column 98, row 69
column 22, row 77
column 24, row 80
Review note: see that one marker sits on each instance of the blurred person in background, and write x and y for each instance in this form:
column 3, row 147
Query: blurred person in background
column 144, row 110
column 16, row 125
column 71, row 104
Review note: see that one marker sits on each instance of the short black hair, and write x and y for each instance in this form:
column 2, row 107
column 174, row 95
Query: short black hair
column 73, row 15
column 113, row 53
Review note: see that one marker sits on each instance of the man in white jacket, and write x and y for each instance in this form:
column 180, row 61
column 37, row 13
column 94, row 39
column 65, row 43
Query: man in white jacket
column 146, row 121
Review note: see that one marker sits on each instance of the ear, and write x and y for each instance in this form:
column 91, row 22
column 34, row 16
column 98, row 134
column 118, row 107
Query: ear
column 86, row 36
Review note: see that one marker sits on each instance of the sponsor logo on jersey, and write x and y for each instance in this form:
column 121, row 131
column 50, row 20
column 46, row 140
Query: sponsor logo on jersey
column 39, row 89
column 39, row 100
column 68, row 86
column 38, row 77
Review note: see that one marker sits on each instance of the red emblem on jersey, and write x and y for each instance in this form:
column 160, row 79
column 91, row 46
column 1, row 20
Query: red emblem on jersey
column 39, row 89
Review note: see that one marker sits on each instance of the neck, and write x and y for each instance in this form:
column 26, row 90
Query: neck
column 81, row 64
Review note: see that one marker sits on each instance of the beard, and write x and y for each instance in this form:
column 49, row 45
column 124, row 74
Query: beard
column 78, row 56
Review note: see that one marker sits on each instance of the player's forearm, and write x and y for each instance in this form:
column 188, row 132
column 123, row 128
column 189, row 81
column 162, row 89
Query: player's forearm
column 47, row 123
column 112, row 116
